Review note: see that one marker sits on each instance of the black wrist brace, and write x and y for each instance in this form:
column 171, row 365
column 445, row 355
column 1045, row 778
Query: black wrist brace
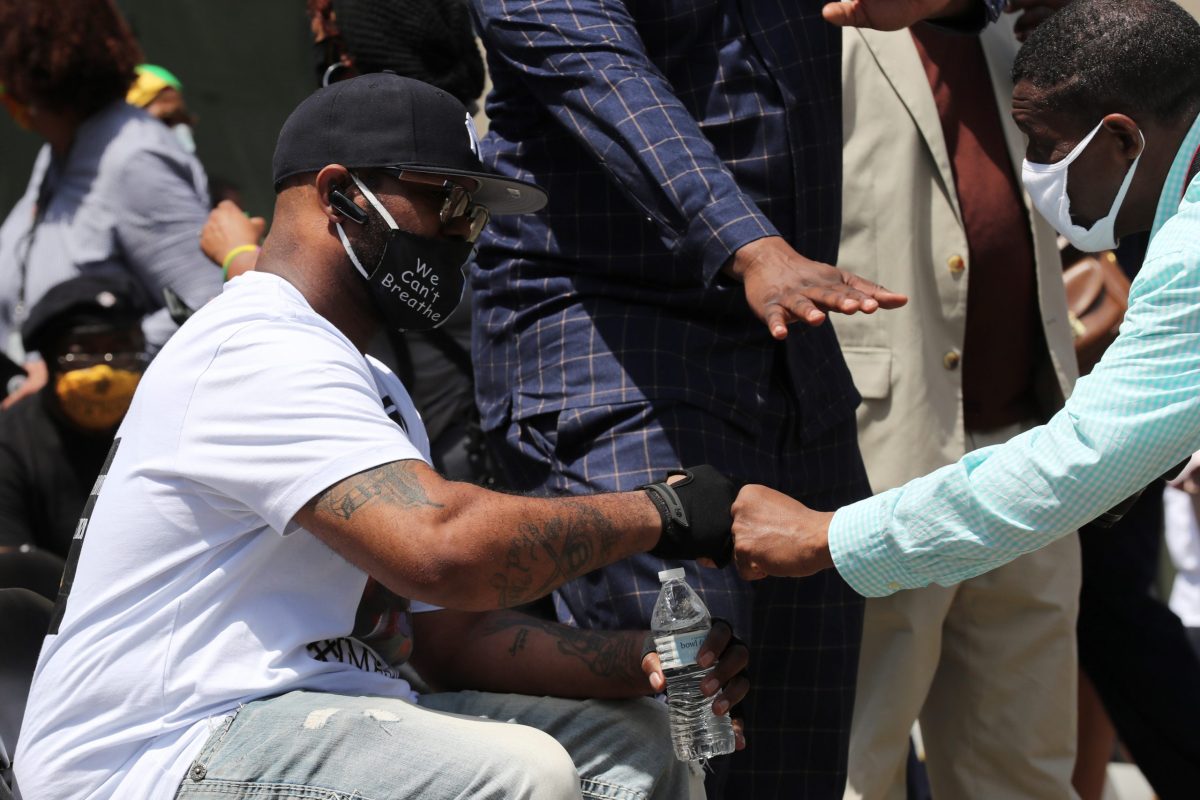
column 696, row 517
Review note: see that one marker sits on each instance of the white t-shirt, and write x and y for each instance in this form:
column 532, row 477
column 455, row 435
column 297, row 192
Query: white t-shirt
column 193, row 591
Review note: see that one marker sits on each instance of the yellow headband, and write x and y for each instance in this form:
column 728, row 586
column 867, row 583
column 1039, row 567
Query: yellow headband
column 150, row 81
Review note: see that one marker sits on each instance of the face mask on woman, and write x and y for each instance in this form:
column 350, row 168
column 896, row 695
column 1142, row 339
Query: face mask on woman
column 96, row 398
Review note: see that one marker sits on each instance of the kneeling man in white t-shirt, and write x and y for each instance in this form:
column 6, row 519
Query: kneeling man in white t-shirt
column 233, row 609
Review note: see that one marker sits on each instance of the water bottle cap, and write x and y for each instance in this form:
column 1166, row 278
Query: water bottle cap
column 671, row 575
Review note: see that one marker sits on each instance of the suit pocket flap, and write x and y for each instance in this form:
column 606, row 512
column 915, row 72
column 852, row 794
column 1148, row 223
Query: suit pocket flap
column 871, row 368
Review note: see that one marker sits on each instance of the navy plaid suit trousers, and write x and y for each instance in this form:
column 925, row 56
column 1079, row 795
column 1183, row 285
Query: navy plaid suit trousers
column 609, row 346
column 803, row 634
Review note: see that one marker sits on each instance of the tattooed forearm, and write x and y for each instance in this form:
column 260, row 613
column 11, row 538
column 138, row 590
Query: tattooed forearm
column 393, row 484
column 541, row 557
column 606, row 654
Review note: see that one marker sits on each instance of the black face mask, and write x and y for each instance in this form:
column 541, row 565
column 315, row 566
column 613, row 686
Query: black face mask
column 416, row 282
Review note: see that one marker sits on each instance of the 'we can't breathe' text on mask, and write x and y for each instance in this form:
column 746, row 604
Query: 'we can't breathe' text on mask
column 417, row 282
column 1047, row 187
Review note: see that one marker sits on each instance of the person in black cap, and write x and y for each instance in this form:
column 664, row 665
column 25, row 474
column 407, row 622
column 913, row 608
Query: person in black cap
column 267, row 540
column 434, row 42
column 53, row 443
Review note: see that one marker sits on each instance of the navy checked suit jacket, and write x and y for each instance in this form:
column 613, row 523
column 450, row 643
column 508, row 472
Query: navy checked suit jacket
column 668, row 134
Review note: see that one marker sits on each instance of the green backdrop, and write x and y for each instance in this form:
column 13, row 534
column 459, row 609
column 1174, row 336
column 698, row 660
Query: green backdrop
column 244, row 65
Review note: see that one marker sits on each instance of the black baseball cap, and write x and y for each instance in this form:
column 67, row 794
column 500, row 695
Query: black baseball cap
column 384, row 120
column 89, row 299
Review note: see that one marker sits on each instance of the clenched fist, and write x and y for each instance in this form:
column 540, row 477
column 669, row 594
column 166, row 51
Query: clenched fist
column 226, row 228
column 776, row 535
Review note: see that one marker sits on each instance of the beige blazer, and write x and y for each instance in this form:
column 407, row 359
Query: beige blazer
column 901, row 226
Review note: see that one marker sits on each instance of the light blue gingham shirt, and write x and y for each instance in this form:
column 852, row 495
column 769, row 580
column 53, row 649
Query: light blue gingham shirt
column 1132, row 419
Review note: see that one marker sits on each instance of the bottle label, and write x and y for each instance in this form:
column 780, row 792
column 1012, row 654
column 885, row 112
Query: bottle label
column 679, row 650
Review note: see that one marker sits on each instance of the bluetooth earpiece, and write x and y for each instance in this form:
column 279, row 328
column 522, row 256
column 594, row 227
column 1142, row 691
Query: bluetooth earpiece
column 347, row 207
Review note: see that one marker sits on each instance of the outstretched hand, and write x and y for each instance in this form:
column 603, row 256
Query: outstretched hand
column 730, row 655
column 776, row 535
column 783, row 286
column 891, row 15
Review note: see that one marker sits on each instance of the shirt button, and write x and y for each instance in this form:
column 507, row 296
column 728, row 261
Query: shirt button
column 951, row 360
column 893, row 586
column 956, row 264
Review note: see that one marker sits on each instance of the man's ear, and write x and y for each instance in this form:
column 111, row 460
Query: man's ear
column 1128, row 134
column 334, row 188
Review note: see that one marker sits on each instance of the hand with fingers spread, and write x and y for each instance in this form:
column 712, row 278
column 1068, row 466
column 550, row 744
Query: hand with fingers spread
column 783, row 286
column 728, row 683
column 892, row 15
column 776, row 535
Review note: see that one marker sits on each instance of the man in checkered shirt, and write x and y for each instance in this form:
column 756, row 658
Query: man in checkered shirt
column 692, row 151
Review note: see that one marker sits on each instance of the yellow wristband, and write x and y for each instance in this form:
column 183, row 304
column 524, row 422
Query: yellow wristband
column 232, row 254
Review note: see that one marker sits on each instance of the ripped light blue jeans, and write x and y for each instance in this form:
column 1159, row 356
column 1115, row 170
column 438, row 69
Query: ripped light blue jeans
column 470, row 745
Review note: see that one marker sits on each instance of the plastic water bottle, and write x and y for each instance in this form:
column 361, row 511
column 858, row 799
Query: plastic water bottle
column 680, row 625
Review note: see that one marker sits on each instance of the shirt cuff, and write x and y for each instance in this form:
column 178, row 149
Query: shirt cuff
column 721, row 228
column 864, row 553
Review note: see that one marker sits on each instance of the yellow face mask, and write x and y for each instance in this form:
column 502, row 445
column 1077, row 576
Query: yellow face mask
column 96, row 398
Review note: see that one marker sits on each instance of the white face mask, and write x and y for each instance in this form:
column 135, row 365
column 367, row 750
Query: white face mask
column 183, row 134
column 1047, row 187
